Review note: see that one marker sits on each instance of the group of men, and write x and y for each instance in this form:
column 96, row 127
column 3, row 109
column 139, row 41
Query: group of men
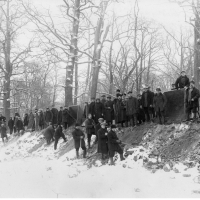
column 125, row 109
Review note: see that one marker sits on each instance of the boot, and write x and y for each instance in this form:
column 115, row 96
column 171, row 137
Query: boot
column 122, row 157
column 84, row 153
column 77, row 154
column 111, row 161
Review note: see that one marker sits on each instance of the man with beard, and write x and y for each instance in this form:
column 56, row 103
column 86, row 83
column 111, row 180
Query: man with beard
column 48, row 117
column 60, row 114
column 55, row 116
column 78, row 137
column 113, row 145
column 90, row 128
column 98, row 110
column 147, row 104
column 160, row 102
column 192, row 101
column 109, row 110
column 132, row 109
column 182, row 81
column 103, row 141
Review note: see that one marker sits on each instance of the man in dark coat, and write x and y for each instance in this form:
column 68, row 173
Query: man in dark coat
column 92, row 108
column 49, row 134
column 147, row 104
column 97, row 127
column 113, row 145
column 103, row 99
column 159, row 103
column 90, row 128
column 109, row 110
column 103, row 141
column 20, row 126
column 141, row 115
column 152, row 108
column 55, row 115
column 66, row 118
column 98, row 110
column 132, row 109
column 86, row 110
column 2, row 118
column 192, row 101
column 31, row 121
column 41, row 120
column 11, row 125
column 78, row 137
column 119, row 110
column 26, row 120
column 182, row 81
column 48, row 116
column 58, row 134
column 60, row 115
column 3, row 132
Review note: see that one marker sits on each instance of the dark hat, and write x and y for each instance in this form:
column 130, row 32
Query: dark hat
column 118, row 90
column 101, row 119
column 113, row 126
column 192, row 82
column 108, row 97
column 182, row 71
column 158, row 89
column 103, row 96
column 77, row 124
column 130, row 92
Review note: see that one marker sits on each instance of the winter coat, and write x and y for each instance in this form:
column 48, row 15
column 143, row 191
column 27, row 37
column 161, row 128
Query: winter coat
column 19, row 125
column 113, row 145
column 194, row 95
column 77, row 133
column 36, row 121
column 2, row 118
column 49, row 132
column 109, row 111
column 3, row 131
column 120, row 111
column 182, row 81
column 10, row 123
column 92, row 109
column 97, row 127
column 86, row 111
column 131, row 106
column 26, row 120
column 149, row 99
column 48, row 116
column 55, row 115
column 31, row 121
column 58, row 132
column 41, row 119
column 66, row 116
column 60, row 114
column 159, row 102
column 102, row 141
column 99, row 109
column 141, row 114
column 90, row 126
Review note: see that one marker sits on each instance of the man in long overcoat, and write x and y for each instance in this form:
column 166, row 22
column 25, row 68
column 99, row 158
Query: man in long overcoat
column 109, row 110
column 11, row 125
column 92, row 108
column 48, row 116
column 159, row 103
column 60, row 114
column 31, row 121
column 98, row 110
column 55, row 115
column 103, row 141
column 78, row 137
column 49, row 134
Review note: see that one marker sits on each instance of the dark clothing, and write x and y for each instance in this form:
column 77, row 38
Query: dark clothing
column 41, row 120
column 58, row 134
column 102, row 141
column 55, row 116
column 109, row 112
column 92, row 109
column 182, row 81
column 49, row 134
column 98, row 111
column 3, row 132
column 11, row 125
column 147, row 99
column 19, row 125
column 120, row 111
column 48, row 116
column 86, row 111
column 60, row 115
column 2, row 119
column 31, row 121
column 66, row 118
column 131, row 106
column 141, row 115
column 113, row 145
column 26, row 120
column 90, row 129
column 159, row 102
column 78, row 142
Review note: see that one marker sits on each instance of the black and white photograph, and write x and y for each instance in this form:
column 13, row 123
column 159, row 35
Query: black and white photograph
column 99, row 99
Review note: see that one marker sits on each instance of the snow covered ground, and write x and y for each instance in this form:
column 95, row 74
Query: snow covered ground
column 44, row 174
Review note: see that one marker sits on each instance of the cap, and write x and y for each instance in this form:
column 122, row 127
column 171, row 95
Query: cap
column 158, row 89
column 100, row 119
column 77, row 124
column 118, row 90
column 130, row 92
column 108, row 97
column 182, row 71
column 103, row 96
column 192, row 82
column 113, row 126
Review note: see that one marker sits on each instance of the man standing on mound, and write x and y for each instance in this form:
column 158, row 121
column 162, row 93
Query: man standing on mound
column 79, row 136
column 113, row 145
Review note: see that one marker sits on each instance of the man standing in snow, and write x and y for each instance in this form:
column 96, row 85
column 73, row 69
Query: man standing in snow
column 48, row 116
column 192, row 101
column 58, row 134
column 3, row 132
column 78, row 137
column 103, row 141
column 11, row 125
column 60, row 114
column 20, row 126
column 98, row 110
column 113, row 145
column 159, row 103
column 55, row 116
column 182, row 81
column 92, row 108
column 109, row 110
